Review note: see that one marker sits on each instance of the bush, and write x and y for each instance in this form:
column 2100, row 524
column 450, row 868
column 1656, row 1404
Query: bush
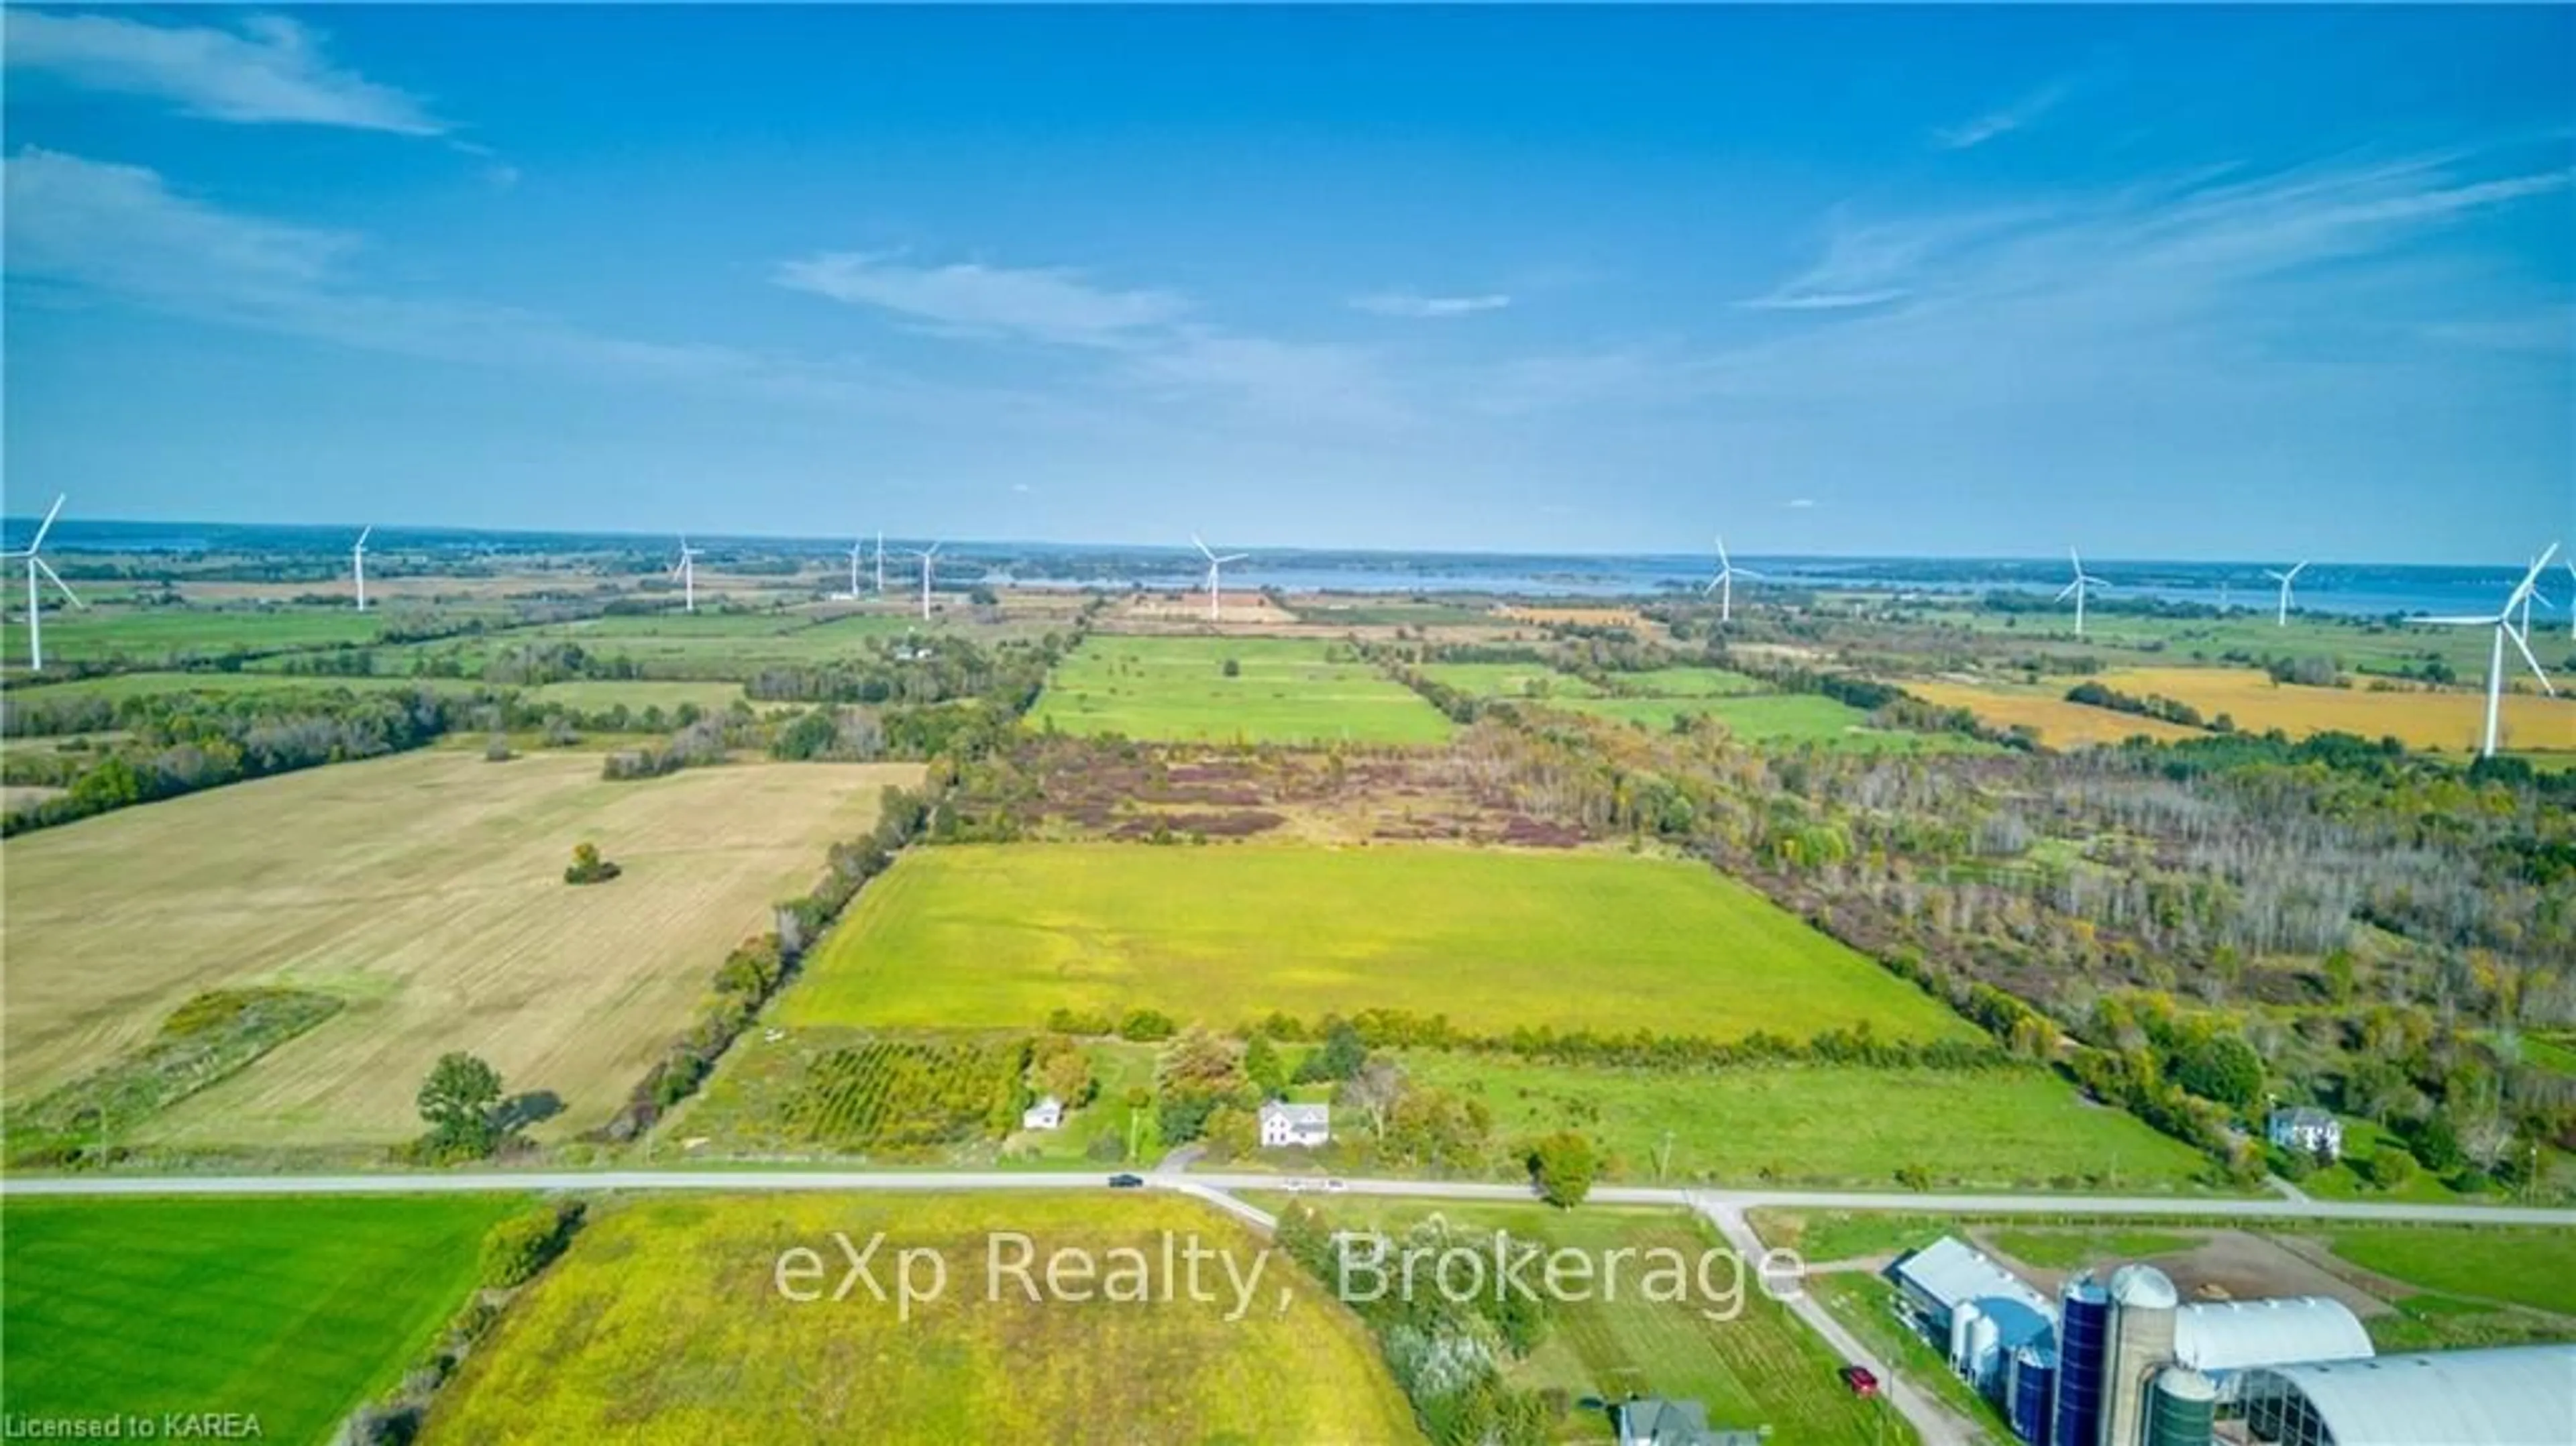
column 588, row 867
column 1233, row 668
column 1147, row 1025
column 518, row 1247
column 1564, row 1165
column 2389, row 1167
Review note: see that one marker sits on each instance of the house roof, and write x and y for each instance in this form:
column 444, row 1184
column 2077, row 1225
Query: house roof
column 2514, row 1396
column 1667, row 1423
column 2238, row 1334
column 1048, row 1102
column 2304, row 1116
column 1297, row 1114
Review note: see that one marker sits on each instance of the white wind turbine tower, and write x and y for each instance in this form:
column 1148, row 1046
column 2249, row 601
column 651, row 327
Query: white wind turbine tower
column 686, row 570
column 2084, row 582
column 1214, row 562
column 926, row 554
column 881, row 562
column 37, row 566
column 2571, row 598
column 358, row 565
column 856, row 549
column 2281, row 618
column 2502, row 621
column 1724, row 583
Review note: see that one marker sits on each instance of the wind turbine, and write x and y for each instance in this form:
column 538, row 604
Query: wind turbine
column 2571, row 598
column 1724, row 584
column 358, row 565
column 1214, row 562
column 2084, row 582
column 926, row 554
column 2527, row 598
column 881, row 562
column 686, row 570
column 2502, row 621
column 2281, row 618
column 35, row 596
column 856, row 548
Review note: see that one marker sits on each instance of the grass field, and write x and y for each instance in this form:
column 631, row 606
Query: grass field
column 597, row 695
column 148, row 635
column 1509, row 680
column 2536, row 1268
column 664, row 1324
column 117, row 687
column 1791, row 718
column 1826, row 1124
column 1686, row 682
column 2449, row 722
column 1760, row 1369
column 2059, row 723
column 1175, row 689
column 294, row 1310
column 988, row 936
column 2068, row 1248
column 427, row 890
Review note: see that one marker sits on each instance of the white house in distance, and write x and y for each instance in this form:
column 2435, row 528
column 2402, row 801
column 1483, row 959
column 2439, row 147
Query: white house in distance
column 2309, row 1129
column 1303, row 1125
column 1046, row 1114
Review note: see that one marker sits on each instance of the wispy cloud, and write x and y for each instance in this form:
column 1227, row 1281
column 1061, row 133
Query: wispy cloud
column 1799, row 504
column 99, row 230
column 1413, row 306
column 1872, row 265
column 1046, row 304
column 2004, row 120
column 270, row 70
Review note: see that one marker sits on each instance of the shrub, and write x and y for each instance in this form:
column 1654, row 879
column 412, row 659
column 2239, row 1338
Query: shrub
column 2389, row 1167
column 588, row 867
column 1564, row 1165
column 518, row 1247
column 1147, row 1025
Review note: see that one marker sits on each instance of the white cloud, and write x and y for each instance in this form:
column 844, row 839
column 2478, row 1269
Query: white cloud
column 2003, row 121
column 1415, row 307
column 270, row 70
column 1045, row 304
column 1799, row 504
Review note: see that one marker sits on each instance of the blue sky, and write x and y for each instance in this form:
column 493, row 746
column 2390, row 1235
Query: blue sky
column 2189, row 283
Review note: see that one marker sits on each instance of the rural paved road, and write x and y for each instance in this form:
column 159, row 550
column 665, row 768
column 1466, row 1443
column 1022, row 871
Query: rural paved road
column 829, row 1181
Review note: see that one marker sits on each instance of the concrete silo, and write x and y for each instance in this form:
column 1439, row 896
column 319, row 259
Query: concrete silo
column 2083, row 1335
column 1963, row 1323
column 2141, row 1343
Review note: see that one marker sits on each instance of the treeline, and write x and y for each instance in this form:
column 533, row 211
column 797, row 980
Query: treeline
column 756, row 968
column 1856, row 1044
column 2171, row 710
column 185, row 742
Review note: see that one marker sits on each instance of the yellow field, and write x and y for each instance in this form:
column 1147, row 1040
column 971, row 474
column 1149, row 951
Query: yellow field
column 2060, row 724
column 666, row 1325
column 2448, row 722
column 1579, row 617
column 426, row 890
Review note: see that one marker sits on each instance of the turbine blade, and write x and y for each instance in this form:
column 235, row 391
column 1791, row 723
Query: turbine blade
column 1200, row 545
column 363, row 534
column 1748, row 572
column 2296, row 569
column 2519, row 644
column 2068, row 591
column 1232, row 557
column 47, row 525
column 48, row 569
column 1722, row 560
column 2461, row 622
column 2532, row 578
column 1712, row 587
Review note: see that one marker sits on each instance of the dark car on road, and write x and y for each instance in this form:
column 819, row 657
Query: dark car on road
column 1126, row 1182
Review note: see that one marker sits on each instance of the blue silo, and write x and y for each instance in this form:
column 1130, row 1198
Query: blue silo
column 2032, row 1394
column 2083, row 1334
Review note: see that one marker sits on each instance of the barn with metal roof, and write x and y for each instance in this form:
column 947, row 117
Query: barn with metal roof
column 2219, row 1337
column 2514, row 1396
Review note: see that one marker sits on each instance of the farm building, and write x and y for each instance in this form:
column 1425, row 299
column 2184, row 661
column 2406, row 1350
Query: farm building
column 2306, row 1128
column 1654, row 1421
column 1982, row 1312
column 1046, row 1114
column 1303, row 1125
column 2222, row 1338
column 2503, row 1397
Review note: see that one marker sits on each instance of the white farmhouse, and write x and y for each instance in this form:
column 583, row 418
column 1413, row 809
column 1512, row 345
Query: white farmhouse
column 2309, row 1129
column 1303, row 1125
column 1046, row 1114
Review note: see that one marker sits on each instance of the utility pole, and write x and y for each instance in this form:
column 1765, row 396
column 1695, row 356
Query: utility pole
column 1664, row 1161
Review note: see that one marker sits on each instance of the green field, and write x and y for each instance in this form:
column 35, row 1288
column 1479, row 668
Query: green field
column 1686, row 682
column 1794, row 718
column 2536, row 1268
column 116, row 687
column 2068, row 1248
column 296, row 1310
column 1509, row 680
column 152, row 635
column 591, row 695
column 1760, row 1369
column 1826, row 1124
column 665, row 1324
column 1175, row 689
column 990, row 936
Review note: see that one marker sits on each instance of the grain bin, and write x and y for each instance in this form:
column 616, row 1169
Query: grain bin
column 2029, row 1394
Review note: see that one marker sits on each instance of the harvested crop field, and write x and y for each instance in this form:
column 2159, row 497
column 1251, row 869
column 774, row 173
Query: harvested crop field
column 989, row 936
column 426, row 890
column 2447, row 721
column 2058, row 722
